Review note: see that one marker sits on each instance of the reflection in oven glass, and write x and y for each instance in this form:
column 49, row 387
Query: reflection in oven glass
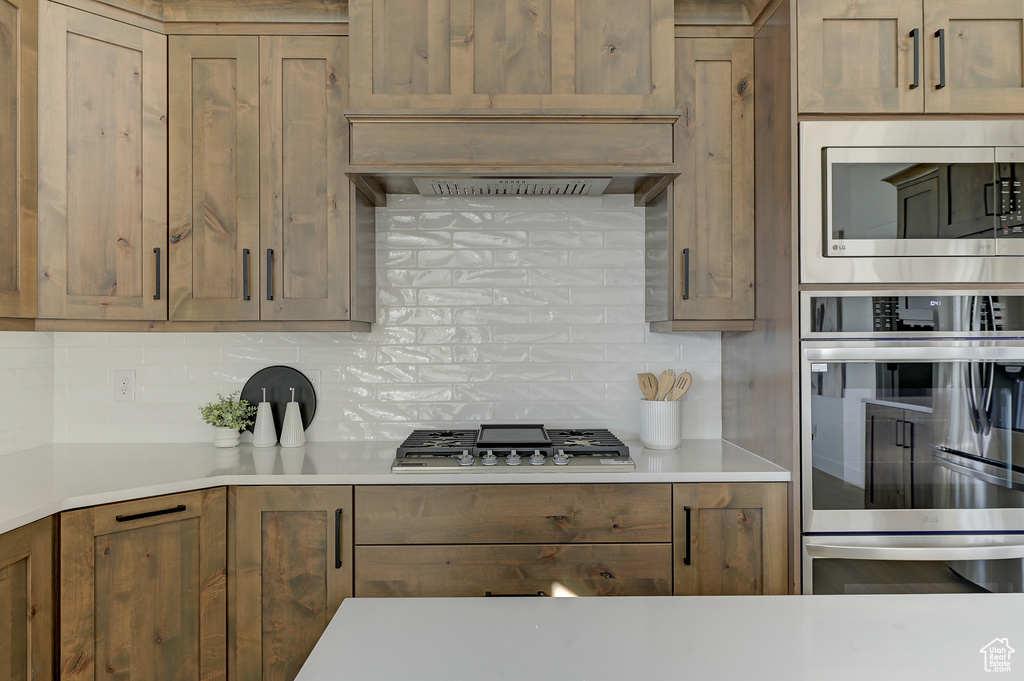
column 844, row 576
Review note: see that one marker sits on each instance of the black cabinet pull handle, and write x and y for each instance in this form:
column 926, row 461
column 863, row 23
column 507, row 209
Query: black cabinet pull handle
column 245, row 274
column 686, row 557
column 941, row 35
column 149, row 514
column 686, row 274
column 156, row 252
column 337, row 539
column 270, row 274
column 916, row 35
column 489, row 594
column 899, row 432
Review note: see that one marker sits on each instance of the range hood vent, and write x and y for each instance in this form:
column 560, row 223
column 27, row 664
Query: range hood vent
column 511, row 186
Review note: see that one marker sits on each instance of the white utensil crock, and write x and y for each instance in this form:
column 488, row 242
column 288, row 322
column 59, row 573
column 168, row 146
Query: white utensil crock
column 661, row 424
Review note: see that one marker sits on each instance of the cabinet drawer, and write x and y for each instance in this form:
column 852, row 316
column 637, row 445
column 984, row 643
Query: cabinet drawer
column 466, row 570
column 513, row 514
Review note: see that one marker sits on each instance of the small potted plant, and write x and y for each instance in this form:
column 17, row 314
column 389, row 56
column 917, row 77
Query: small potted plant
column 228, row 415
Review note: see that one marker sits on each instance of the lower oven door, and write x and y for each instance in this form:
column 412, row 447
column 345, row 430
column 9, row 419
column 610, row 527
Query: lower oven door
column 937, row 563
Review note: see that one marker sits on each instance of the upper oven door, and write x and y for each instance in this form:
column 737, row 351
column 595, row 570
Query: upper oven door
column 912, row 437
column 924, row 202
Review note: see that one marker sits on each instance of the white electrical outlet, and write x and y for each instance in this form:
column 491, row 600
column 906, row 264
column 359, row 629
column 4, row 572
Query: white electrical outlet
column 124, row 385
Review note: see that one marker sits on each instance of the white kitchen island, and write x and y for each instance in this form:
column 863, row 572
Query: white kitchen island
column 713, row 638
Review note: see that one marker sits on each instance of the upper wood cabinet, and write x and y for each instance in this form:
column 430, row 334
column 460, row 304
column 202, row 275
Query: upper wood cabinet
column 102, row 168
column 730, row 538
column 143, row 589
column 579, row 55
column 18, row 41
column 264, row 221
column 910, row 56
column 700, row 232
column 27, row 603
column 291, row 571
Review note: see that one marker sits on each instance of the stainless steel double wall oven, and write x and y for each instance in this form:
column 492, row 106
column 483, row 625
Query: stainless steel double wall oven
column 912, row 356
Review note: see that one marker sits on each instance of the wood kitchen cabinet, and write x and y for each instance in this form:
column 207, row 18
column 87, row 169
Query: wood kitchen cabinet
column 27, row 603
column 898, row 441
column 468, row 540
column 550, row 55
column 102, row 168
column 18, row 210
column 730, row 538
column 290, row 570
column 910, row 56
column 143, row 589
column 700, row 231
column 264, row 223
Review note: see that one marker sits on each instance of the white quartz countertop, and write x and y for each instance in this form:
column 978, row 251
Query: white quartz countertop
column 713, row 638
column 35, row 483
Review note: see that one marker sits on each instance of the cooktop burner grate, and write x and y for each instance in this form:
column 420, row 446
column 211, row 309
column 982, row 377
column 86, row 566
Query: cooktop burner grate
column 513, row 447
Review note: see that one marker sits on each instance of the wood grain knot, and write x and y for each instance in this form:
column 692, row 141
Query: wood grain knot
column 607, row 575
column 741, row 87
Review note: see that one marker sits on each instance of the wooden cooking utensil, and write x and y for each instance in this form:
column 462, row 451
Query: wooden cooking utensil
column 648, row 386
column 680, row 386
column 665, row 381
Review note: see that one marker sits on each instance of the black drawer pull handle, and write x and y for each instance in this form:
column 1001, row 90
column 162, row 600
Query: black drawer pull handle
column 941, row 35
column 156, row 252
column 270, row 274
column 916, row 35
column 149, row 514
column 337, row 539
column 488, row 594
column 686, row 274
column 245, row 274
column 686, row 558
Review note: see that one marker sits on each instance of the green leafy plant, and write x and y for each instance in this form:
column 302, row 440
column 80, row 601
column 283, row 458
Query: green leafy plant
column 229, row 412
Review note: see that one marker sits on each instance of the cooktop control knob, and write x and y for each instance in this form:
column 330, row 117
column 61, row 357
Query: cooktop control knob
column 561, row 458
column 536, row 459
column 513, row 459
column 489, row 459
column 465, row 459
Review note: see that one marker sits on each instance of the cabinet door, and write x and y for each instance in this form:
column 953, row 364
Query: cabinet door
column 18, row 22
column 512, row 54
column 292, row 568
column 143, row 589
column 304, row 192
column 214, row 178
column 730, row 538
column 975, row 56
column 103, row 168
column 712, row 211
column 514, row 569
column 26, row 603
column 858, row 56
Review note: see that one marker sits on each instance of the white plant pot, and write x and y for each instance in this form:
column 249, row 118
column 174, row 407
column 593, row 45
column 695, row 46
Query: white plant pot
column 226, row 437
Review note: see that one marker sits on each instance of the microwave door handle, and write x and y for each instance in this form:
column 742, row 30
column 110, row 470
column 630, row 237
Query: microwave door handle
column 834, row 549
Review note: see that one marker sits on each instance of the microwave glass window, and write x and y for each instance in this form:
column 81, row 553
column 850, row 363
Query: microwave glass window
column 917, row 435
column 920, row 201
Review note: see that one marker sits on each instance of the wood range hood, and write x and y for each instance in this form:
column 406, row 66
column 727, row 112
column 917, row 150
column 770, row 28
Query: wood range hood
column 484, row 153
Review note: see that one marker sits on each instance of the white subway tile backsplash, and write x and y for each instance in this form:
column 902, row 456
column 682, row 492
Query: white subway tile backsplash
column 488, row 309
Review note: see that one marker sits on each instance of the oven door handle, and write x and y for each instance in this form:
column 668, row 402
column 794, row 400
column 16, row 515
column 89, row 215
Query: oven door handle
column 837, row 549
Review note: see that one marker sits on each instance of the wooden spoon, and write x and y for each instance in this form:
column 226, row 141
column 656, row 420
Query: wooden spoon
column 681, row 385
column 648, row 386
column 665, row 381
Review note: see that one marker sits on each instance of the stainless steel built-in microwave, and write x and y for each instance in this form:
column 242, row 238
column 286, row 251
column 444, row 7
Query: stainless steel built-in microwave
column 911, row 201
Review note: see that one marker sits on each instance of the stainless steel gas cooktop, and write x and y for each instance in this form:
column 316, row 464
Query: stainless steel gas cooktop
column 513, row 448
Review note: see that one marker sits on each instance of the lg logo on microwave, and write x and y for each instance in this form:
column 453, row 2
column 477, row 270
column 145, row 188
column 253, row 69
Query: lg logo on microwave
column 929, row 519
column 838, row 247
